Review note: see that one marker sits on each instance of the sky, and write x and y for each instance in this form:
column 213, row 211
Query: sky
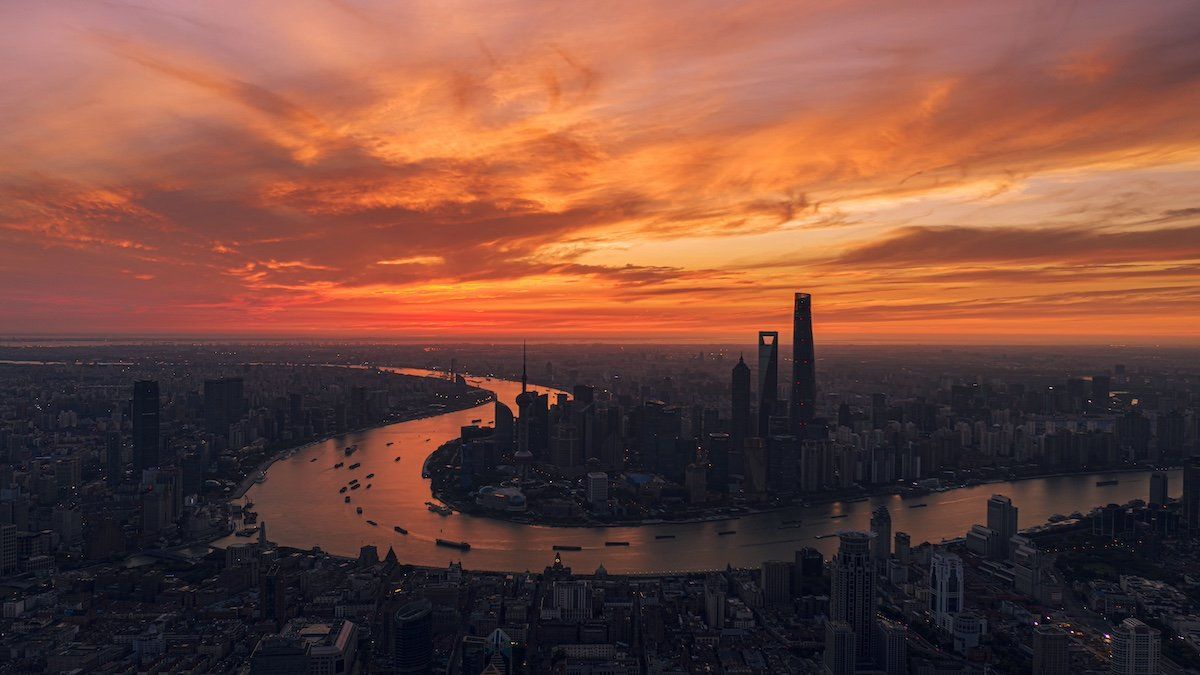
column 932, row 172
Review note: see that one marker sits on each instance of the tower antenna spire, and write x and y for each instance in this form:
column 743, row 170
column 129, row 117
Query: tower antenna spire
column 524, row 376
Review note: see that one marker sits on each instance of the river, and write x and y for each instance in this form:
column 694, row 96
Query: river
column 300, row 503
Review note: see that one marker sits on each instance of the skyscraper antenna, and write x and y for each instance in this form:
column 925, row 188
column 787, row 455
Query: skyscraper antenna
column 524, row 376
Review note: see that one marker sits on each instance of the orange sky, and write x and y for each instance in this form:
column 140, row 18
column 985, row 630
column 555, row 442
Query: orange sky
column 931, row 172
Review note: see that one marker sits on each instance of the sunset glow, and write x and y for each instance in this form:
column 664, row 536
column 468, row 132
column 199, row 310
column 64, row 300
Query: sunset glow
column 930, row 172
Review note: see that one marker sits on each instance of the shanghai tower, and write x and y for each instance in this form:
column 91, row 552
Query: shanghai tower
column 804, row 371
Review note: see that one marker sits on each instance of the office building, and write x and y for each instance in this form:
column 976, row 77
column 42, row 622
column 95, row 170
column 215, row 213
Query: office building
column 893, row 647
column 775, row 579
column 739, row 427
column 945, row 588
column 804, row 372
column 1050, row 653
column 852, row 591
column 1136, row 649
column 768, row 380
column 412, row 642
column 224, row 404
column 881, row 530
column 1159, row 496
column 841, row 650
column 1190, row 499
column 903, row 547
column 1001, row 519
column 114, row 466
column 147, row 441
column 597, row 488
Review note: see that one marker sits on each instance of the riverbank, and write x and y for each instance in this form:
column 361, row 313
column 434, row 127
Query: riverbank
column 249, row 479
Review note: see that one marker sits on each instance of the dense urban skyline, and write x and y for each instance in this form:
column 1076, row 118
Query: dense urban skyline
column 948, row 172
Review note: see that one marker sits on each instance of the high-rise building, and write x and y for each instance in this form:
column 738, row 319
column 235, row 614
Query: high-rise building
column 1158, row 489
column 945, row 588
column 881, row 529
column 903, row 547
column 852, row 591
column 114, row 468
column 804, row 369
column 1050, row 653
column 1190, row 500
column 768, row 380
column 224, row 404
column 841, row 650
column 412, row 643
column 147, row 442
column 597, row 488
column 739, row 428
column 8, row 549
column 893, row 647
column 1136, row 649
column 775, row 580
column 1001, row 519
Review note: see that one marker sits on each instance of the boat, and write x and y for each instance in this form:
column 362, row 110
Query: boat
column 355, row 486
column 390, row 443
column 460, row 545
column 664, row 536
column 477, row 420
column 825, row 536
column 439, row 509
column 370, row 475
column 354, row 466
column 313, row 459
column 372, row 523
column 426, row 440
column 1105, row 483
column 397, row 458
column 339, row 465
column 918, row 506
column 722, row 533
column 616, row 543
column 347, row 499
column 368, row 486
column 343, row 490
column 565, row 547
column 840, row 515
column 351, row 450
column 401, row 530
column 359, row 510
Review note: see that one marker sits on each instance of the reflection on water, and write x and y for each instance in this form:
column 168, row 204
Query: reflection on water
column 302, row 506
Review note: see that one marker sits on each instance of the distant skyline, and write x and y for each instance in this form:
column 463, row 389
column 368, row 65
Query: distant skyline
column 933, row 173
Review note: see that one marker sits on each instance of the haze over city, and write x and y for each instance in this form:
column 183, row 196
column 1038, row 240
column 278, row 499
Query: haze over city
column 933, row 172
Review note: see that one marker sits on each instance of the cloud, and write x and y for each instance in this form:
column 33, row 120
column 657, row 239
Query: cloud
column 613, row 167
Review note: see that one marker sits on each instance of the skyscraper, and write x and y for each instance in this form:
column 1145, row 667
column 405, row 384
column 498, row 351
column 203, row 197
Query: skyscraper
column 1050, row 652
column 1001, row 519
column 412, row 644
column 146, row 438
column 852, row 591
column 224, row 404
column 114, row 468
column 945, row 588
column 840, row 649
column 804, row 370
column 768, row 379
column 1136, row 649
column 1190, row 500
column 1158, row 489
column 740, row 396
column 881, row 528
